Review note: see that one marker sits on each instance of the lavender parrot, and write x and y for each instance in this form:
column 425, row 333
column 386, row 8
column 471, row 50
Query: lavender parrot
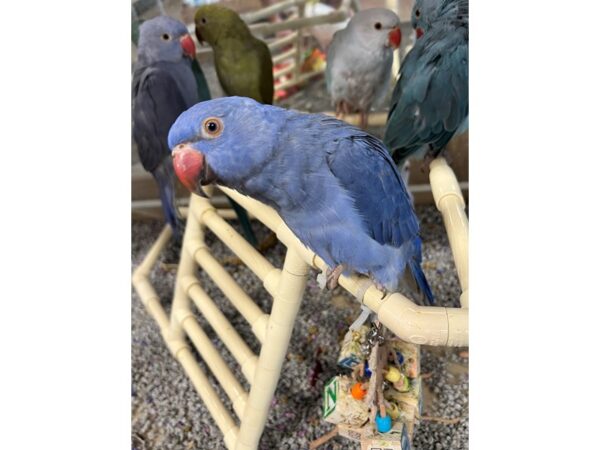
column 333, row 184
column 430, row 102
column 163, row 87
column 359, row 61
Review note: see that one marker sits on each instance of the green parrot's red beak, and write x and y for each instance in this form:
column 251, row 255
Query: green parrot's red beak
column 395, row 37
column 188, row 46
column 191, row 168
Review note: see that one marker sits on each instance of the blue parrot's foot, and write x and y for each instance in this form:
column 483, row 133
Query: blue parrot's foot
column 333, row 276
column 379, row 286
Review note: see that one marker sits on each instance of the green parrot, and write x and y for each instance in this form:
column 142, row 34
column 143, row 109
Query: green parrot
column 243, row 62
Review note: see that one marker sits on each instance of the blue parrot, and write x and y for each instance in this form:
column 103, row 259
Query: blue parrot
column 333, row 184
column 430, row 102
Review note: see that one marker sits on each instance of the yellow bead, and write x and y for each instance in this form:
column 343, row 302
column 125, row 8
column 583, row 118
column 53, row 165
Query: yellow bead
column 393, row 375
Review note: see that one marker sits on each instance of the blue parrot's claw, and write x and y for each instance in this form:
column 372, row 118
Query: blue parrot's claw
column 379, row 286
column 333, row 276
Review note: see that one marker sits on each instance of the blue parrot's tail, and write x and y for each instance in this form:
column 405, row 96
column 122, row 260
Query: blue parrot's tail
column 165, row 177
column 419, row 276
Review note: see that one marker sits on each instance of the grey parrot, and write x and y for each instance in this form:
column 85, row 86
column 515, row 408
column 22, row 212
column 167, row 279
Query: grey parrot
column 430, row 102
column 359, row 61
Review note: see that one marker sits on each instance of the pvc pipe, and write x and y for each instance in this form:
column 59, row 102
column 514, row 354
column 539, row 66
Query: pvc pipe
column 288, row 69
column 276, row 44
column 180, row 351
column 186, row 268
column 450, row 202
column 281, row 323
column 144, row 288
column 418, row 324
column 285, row 55
column 217, row 320
column 294, row 24
column 205, row 213
column 237, row 296
column 216, row 364
column 269, row 11
column 210, row 398
column 299, row 79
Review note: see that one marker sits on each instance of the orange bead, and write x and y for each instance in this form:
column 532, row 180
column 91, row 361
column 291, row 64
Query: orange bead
column 358, row 392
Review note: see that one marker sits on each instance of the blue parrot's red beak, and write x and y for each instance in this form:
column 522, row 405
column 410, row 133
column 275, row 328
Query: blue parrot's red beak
column 191, row 168
column 188, row 46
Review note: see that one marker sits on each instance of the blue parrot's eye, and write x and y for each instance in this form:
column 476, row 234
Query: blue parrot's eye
column 378, row 25
column 165, row 37
column 213, row 127
column 417, row 13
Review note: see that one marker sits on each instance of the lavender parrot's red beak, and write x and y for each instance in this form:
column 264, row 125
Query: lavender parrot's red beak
column 191, row 168
column 419, row 32
column 188, row 46
column 395, row 37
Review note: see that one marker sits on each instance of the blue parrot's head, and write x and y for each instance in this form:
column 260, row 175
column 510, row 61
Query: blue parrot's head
column 225, row 140
column 164, row 39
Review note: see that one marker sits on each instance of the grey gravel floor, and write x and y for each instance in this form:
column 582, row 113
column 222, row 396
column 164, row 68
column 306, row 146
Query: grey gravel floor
column 168, row 414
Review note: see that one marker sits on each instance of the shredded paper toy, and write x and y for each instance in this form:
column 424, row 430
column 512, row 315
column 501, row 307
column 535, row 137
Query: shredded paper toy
column 378, row 402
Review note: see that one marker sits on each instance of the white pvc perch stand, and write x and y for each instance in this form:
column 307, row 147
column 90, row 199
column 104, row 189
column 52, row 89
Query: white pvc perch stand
column 410, row 322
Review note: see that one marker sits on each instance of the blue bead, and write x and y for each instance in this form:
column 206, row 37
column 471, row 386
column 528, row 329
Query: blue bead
column 400, row 357
column 367, row 370
column 384, row 424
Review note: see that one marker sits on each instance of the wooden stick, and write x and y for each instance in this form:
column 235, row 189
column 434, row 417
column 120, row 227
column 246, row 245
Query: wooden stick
column 445, row 420
column 324, row 439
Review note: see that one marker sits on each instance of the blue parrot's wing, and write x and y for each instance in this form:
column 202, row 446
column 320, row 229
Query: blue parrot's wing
column 157, row 104
column 364, row 168
column 431, row 98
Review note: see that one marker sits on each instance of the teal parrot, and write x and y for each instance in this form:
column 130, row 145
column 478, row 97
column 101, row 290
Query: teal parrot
column 430, row 102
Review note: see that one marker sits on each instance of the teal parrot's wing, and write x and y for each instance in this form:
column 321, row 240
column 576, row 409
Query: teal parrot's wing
column 431, row 99
column 203, row 91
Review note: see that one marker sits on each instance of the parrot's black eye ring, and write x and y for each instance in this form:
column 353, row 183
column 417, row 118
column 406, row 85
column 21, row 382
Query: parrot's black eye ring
column 165, row 37
column 378, row 25
column 417, row 13
column 212, row 127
